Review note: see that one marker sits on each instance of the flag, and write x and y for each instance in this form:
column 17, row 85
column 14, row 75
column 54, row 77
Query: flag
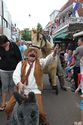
column 75, row 8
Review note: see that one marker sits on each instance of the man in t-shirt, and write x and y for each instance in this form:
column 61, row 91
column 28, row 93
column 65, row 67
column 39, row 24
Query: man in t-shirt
column 78, row 55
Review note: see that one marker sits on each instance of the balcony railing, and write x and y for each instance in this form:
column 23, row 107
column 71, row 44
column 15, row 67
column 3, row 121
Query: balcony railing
column 71, row 20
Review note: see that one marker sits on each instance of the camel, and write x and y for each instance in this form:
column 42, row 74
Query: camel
column 40, row 41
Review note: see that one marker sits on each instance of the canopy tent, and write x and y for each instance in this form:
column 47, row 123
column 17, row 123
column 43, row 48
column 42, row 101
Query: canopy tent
column 62, row 37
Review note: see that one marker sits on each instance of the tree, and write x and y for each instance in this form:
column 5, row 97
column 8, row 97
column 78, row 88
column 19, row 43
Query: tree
column 39, row 27
column 26, row 35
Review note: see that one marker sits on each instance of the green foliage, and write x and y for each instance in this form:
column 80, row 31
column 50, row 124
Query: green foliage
column 26, row 35
column 39, row 27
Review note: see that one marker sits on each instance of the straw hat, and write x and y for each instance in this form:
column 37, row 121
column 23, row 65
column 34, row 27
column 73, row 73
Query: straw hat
column 33, row 47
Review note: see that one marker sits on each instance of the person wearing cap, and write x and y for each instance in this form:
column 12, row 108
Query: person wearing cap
column 9, row 57
column 29, row 79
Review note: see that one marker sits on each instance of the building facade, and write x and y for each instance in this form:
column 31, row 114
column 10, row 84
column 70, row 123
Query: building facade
column 5, row 20
column 68, row 21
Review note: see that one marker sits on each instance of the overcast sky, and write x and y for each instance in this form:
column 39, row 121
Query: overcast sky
column 38, row 9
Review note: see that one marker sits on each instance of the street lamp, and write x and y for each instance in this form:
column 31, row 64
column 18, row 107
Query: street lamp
column 29, row 15
column 29, row 19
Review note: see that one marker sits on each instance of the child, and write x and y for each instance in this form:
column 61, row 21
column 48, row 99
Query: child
column 70, row 64
column 66, row 56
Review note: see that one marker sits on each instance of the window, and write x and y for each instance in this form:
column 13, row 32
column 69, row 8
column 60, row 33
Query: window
column 5, row 23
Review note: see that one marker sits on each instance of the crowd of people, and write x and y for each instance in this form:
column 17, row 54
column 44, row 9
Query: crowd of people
column 74, row 70
column 21, row 70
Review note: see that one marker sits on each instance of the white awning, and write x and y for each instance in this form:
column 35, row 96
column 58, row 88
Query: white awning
column 78, row 34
